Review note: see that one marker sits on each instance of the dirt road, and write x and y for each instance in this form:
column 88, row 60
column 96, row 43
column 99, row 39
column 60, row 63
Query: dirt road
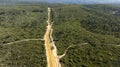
column 51, row 50
column 21, row 41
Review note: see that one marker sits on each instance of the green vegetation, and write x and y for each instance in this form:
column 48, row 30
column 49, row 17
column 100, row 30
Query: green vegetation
column 73, row 25
column 17, row 23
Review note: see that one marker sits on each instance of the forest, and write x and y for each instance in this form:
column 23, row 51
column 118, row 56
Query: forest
column 98, row 25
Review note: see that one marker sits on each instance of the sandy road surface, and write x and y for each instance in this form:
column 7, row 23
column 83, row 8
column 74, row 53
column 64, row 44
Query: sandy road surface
column 51, row 50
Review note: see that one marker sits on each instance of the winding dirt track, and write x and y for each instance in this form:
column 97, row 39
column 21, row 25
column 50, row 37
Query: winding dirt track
column 22, row 41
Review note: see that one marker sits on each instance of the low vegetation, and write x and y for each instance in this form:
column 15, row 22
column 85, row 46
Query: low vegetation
column 73, row 25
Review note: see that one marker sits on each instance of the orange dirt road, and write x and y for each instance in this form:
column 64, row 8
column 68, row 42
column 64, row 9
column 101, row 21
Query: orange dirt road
column 51, row 51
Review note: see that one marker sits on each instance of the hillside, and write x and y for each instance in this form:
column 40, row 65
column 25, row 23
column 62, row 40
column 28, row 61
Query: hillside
column 96, row 25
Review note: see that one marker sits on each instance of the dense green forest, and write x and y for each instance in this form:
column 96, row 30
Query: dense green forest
column 97, row 25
